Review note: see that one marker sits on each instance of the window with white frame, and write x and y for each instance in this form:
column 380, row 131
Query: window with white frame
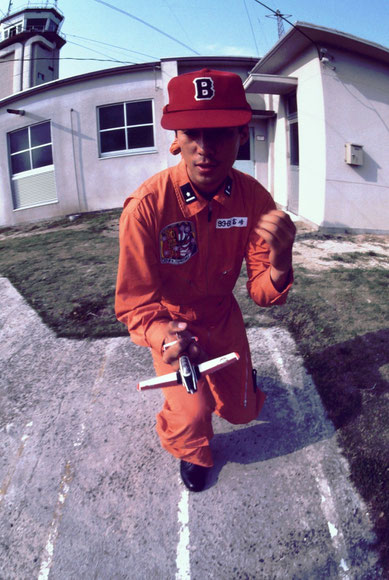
column 126, row 128
column 30, row 148
column 293, row 129
column 31, row 165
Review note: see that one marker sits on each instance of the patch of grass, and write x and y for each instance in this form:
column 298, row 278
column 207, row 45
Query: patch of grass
column 354, row 257
column 338, row 317
column 68, row 277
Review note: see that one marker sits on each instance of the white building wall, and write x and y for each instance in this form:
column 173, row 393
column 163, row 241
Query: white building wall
column 312, row 139
column 85, row 182
column 357, row 110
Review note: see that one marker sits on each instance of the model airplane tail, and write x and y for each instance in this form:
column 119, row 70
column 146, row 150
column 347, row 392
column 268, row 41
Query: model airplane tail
column 189, row 373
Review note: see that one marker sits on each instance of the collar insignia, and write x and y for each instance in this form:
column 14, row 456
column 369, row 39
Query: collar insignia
column 187, row 193
column 228, row 186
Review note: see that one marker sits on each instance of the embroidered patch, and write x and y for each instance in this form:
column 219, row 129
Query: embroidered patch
column 188, row 193
column 233, row 222
column 228, row 186
column 177, row 243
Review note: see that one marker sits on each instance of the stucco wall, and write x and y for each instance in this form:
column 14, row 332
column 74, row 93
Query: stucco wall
column 312, row 139
column 357, row 110
column 84, row 181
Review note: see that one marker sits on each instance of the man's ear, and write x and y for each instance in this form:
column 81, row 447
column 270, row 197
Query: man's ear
column 244, row 134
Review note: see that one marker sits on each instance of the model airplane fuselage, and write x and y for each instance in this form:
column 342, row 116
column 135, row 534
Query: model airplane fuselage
column 188, row 373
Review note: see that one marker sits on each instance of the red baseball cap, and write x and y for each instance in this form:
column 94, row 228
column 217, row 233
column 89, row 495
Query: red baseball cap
column 205, row 99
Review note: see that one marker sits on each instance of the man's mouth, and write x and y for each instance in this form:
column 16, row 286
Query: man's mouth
column 206, row 166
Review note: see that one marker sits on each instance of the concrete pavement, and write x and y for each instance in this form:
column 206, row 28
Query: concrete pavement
column 87, row 492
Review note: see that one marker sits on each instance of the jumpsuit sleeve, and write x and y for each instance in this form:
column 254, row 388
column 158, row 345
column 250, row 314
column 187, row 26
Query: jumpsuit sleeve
column 260, row 285
column 138, row 297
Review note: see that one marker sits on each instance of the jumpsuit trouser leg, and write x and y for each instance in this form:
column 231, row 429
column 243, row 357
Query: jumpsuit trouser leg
column 184, row 424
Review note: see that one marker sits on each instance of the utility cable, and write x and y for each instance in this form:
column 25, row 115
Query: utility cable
column 251, row 26
column 112, row 45
column 290, row 23
column 146, row 24
column 69, row 58
column 92, row 50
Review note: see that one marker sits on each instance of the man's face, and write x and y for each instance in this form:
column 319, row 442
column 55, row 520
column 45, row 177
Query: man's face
column 210, row 153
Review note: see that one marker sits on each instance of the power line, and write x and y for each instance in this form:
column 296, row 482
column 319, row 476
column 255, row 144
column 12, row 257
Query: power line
column 4, row 61
column 147, row 24
column 92, row 50
column 112, row 45
column 277, row 13
column 251, row 26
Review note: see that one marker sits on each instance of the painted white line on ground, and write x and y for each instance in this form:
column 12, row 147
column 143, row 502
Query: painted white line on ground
column 64, row 488
column 329, row 511
column 183, row 554
column 284, row 375
column 48, row 553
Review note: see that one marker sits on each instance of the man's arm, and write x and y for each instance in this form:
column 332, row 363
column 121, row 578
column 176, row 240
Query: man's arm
column 269, row 257
column 278, row 231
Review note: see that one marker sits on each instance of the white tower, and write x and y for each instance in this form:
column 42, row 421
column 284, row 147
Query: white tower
column 30, row 42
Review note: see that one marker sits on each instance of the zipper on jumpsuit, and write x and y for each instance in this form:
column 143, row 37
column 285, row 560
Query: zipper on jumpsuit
column 209, row 333
column 209, row 219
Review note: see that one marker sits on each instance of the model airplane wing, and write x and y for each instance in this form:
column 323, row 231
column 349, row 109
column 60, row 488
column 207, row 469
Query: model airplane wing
column 168, row 380
column 205, row 368
column 211, row 366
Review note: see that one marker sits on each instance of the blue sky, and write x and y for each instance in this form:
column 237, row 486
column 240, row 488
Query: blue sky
column 206, row 27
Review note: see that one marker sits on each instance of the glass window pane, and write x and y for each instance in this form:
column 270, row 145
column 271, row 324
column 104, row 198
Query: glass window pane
column 294, row 144
column 42, row 156
column 140, row 137
column 20, row 162
column 292, row 104
column 112, row 141
column 244, row 151
column 19, row 140
column 40, row 134
column 139, row 113
column 112, row 116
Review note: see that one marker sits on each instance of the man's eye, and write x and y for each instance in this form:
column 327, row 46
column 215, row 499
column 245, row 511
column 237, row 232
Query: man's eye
column 190, row 133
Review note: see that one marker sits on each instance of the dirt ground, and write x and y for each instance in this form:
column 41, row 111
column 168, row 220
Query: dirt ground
column 317, row 251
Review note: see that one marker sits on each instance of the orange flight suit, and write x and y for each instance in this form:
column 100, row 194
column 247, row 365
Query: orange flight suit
column 180, row 256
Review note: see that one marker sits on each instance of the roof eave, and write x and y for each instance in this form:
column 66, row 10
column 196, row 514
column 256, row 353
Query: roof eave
column 302, row 35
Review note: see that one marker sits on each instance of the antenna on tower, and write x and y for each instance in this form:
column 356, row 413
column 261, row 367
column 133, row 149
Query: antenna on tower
column 280, row 21
column 9, row 7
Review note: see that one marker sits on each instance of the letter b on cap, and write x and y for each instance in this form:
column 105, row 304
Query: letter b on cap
column 204, row 90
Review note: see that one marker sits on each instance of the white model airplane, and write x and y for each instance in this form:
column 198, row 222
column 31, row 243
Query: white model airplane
column 188, row 374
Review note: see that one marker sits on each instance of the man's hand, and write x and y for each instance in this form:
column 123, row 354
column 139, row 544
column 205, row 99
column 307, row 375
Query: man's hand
column 278, row 230
column 178, row 333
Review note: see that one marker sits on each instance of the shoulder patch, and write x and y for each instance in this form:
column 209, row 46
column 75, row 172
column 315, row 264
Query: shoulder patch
column 228, row 186
column 177, row 243
column 187, row 193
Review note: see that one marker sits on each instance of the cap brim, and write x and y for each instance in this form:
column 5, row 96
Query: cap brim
column 205, row 119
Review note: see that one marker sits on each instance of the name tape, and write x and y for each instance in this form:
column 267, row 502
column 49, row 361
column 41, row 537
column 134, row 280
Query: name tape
column 233, row 222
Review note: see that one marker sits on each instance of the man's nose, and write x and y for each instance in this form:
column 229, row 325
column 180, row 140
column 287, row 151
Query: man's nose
column 206, row 141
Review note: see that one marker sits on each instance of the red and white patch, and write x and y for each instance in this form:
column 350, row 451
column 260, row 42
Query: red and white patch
column 177, row 243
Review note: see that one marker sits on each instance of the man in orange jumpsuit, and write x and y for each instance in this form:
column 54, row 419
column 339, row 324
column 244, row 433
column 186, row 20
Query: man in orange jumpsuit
column 183, row 236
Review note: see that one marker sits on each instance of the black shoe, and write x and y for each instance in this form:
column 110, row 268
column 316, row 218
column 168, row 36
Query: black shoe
column 193, row 475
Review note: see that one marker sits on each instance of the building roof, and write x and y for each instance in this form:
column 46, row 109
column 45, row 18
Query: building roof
column 107, row 72
column 303, row 35
column 52, row 85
